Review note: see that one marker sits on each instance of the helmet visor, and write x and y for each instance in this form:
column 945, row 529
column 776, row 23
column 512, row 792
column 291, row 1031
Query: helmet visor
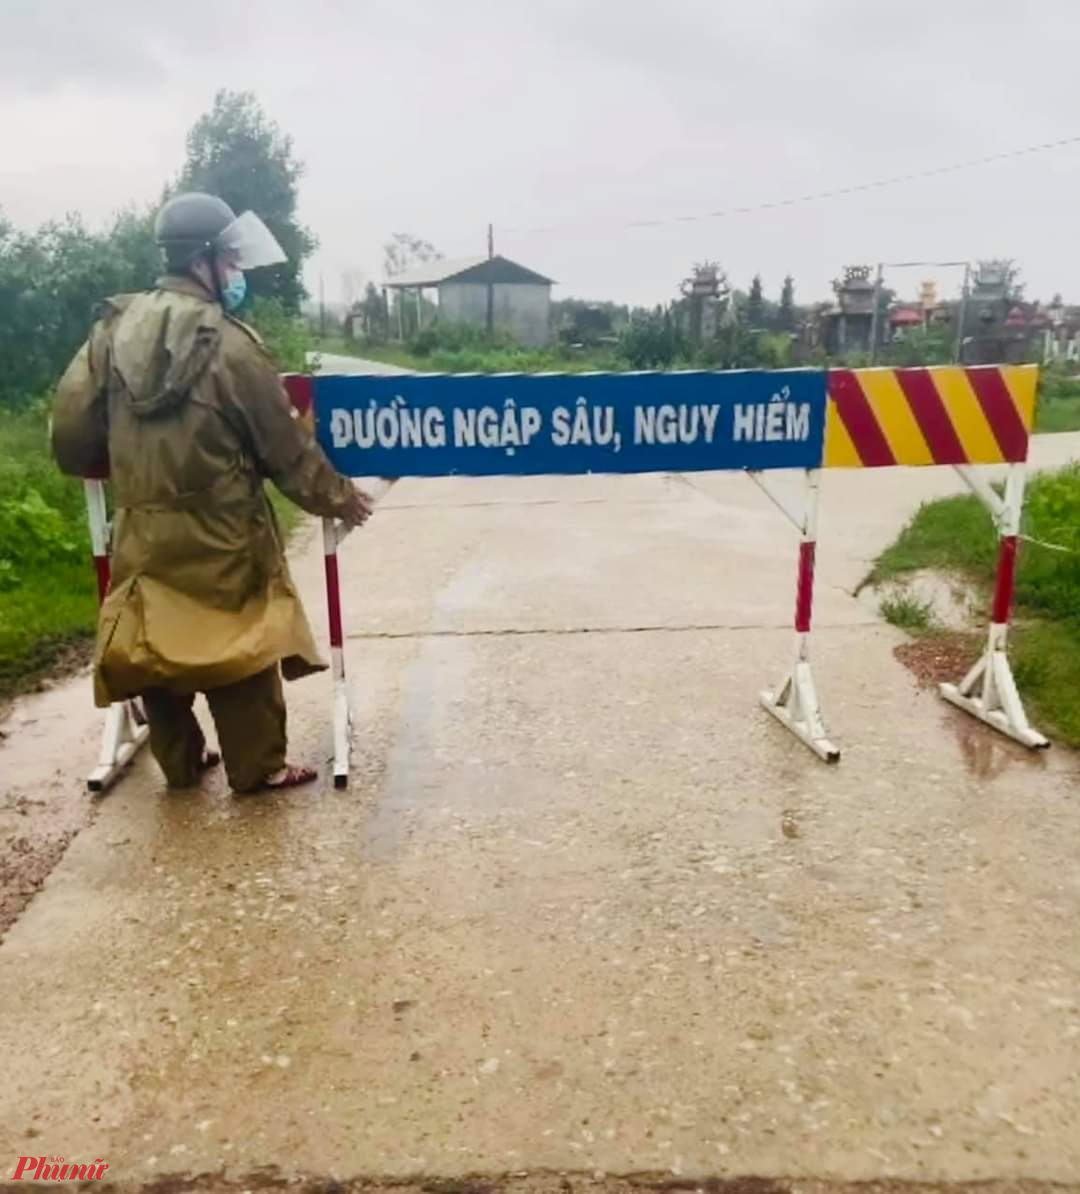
column 249, row 243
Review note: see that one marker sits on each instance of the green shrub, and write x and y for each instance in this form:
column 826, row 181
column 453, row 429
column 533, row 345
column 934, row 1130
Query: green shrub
column 903, row 609
column 287, row 337
column 651, row 341
column 47, row 587
column 1057, row 383
column 458, row 337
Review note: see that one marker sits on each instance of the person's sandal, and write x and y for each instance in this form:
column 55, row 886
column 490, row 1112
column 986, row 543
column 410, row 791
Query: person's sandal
column 289, row 777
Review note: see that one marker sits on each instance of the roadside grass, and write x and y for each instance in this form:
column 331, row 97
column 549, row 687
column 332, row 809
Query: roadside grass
column 956, row 536
column 1059, row 400
column 48, row 592
column 47, row 586
column 906, row 611
column 477, row 357
column 1058, row 414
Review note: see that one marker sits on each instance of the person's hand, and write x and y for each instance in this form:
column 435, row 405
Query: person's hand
column 359, row 509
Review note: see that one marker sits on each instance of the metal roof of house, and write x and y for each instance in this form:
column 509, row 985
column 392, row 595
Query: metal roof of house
column 467, row 269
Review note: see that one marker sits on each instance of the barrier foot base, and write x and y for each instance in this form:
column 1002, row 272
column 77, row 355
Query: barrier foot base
column 989, row 693
column 125, row 732
column 342, row 733
column 795, row 705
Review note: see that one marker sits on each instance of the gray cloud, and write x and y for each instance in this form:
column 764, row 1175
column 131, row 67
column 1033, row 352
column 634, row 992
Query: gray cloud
column 436, row 116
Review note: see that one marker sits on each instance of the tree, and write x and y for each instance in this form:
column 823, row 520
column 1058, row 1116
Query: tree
column 755, row 304
column 372, row 315
column 402, row 252
column 651, row 340
column 50, row 283
column 786, row 314
column 235, row 151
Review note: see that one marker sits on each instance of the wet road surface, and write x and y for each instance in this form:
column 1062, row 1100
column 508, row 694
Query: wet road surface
column 584, row 907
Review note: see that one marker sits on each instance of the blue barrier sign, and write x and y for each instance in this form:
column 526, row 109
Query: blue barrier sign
column 438, row 425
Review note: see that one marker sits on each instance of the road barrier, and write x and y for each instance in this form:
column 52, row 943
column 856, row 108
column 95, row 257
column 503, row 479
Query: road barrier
column 963, row 417
column 757, row 422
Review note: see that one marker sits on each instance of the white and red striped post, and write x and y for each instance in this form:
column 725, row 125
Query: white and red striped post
column 989, row 690
column 794, row 703
column 97, row 517
column 301, row 390
column 125, row 727
column 332, row 536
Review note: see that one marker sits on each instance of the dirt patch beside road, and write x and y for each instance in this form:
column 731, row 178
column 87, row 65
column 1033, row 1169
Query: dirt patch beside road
column 939, row 658
column 40, row 817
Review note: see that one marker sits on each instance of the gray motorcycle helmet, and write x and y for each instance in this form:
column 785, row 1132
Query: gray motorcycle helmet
column 191, row 224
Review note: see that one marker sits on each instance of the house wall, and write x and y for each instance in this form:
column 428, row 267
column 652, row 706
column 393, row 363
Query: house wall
column 523, row 309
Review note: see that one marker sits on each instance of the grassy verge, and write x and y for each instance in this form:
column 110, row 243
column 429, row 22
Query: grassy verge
column 48, row 594
column 1059, row 414
column 908, row 612
column 47, row 587
column 1059, row 400
column 956, row 536
column 478, row 358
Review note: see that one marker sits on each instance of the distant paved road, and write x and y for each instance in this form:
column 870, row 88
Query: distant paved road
column 331, row 363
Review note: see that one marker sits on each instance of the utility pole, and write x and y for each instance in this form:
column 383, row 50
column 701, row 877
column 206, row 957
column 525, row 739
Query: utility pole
column 491, row 282
column 875, row 315
column 958, row 348
column 958, row 351
column 322, row 308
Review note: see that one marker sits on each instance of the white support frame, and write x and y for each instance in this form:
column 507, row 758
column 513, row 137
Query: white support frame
column 989, row 690
column 125, row 729
column 794, row 702
column 124, row 733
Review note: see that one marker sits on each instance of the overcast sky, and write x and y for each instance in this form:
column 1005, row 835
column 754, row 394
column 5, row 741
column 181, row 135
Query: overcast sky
column 564, row 121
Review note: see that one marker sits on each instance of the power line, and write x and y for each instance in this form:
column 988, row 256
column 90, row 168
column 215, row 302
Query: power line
column 817, row 196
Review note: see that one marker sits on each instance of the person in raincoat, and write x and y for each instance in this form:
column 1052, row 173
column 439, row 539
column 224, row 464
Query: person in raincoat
column 181, row 404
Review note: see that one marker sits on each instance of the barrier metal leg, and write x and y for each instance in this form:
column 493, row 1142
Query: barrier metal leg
column 125, row 732
column 794, row 702
column 344, row 714
column 989, row 691
column 332, row 536
column 125, row 729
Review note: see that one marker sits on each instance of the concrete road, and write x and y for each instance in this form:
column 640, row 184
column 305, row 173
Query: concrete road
column 328, row 362
column 585, row 908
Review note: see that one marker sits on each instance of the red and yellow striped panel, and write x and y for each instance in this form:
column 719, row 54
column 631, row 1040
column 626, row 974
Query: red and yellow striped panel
column 945, row 414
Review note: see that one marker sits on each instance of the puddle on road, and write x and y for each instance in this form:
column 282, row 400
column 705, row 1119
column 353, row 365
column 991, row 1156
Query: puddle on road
column 434, row 682
column 987, row 754
column 413, row 780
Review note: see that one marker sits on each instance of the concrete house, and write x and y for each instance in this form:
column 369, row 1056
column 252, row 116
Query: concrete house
column 519, row 298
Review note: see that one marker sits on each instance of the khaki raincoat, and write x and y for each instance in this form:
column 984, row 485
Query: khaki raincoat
column 184, row 407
